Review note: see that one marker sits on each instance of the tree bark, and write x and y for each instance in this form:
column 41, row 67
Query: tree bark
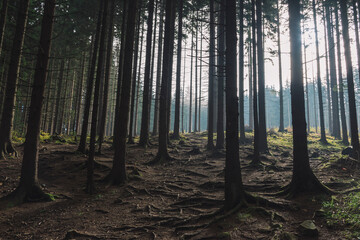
column 261, row 79
column 350, row 79
column 6, row 146
column 118, row 171
column 234, row 193
column 210, row 144
column 178, row 74
column 3, row 15
column 318, row 78
column 281, row 92
column 145, row 116
column 90, row 86
column 241, row 74
column 29, row 188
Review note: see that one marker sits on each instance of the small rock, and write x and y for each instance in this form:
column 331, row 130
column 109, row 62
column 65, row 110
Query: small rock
column 308, row 228
column 347, row 151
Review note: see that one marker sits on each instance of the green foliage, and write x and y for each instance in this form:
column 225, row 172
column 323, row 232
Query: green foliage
column 17, row 137
column 344, row 212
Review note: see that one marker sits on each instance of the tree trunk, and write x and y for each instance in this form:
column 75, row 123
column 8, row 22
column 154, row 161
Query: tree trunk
column 118, row 172
column 333, row 78
column 281, row 92
column 256, row 159
column 163, row 154
column 145, row 116
column 90, row 188
column 158, row 72
column 29, row 188
column 327, row 76
column 241, row 74
column 133, row 88
column 345, row 138
column 107, row 73
column 303, row 179
column 234, row 193
column 261, row 79
column 90, row 86
column 220, row 74
column 350, row 79
column 318, row 78
column 307, row 88
column 357, row 41
column 3, row 15
column 79, row 100
column 210, row 144
column 191, row 82
column 138, row 84
column 63, row 104
column 6, row 146
column 251, row 104
column 196, row 71
column 178, row 74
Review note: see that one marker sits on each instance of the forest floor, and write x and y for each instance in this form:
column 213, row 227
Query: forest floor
column 165, row 201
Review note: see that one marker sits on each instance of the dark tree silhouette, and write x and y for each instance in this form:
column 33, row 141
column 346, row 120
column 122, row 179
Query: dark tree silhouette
column 178, row 74
column 281, row 91
column 303, row 179
column 318, row 78
column 145, row 117
column 6, row 146
column 3, row 15
column 29, row 188
column 350, row 79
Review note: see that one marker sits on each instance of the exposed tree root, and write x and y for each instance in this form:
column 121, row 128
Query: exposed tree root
column 21, row 195
column 309, row 185
column 8, row 149
column 73, row 234
column 161, row 158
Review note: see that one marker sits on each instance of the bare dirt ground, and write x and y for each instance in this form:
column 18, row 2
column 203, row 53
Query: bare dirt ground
column 164, row 201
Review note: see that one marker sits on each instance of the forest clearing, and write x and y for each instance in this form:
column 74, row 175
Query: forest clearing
column 167, row 201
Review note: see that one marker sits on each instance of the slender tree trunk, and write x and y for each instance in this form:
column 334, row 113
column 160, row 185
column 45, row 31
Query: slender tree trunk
column 138, row 84
column 210, row 144
column 90, row 86
column 345, row 138
column 158, row 72
column 307, row 89
column 70, row 107
column 191, row 82
column 3, row 15
column 234, row 193
column 318, row 78
column 64, row 99
column 251, row 104
column 256, row 159
column 200, row 74
column 178, row 74
column 327, row 76
column 29, row 188
column 183, row 93
column 357, row 41
column 196, row 71
column 261, row 79
column 163, row 154
column 133, row 88
column 6, row 146
column 220, row 75
column 350, row 79
column 303, row 179
column 90, row 188
column 48, row 97
column 79, row 100
column 241, row 74
column 107, row 73
column 333, row 78
column 118, row 172
column 145, row 116
column 281, row 92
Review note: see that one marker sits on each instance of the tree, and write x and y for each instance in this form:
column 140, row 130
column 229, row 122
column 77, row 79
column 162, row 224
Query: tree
column 29, row 188
column 261, row 79
column 345, row 138
column 241, row 73
column 90, row 188
column 6, row 146
column 89, row 88
column 107, row 73
column 318, row 78
column 118, row 171
column 333, row 78
column 220, row 76
column 145, row 118
column 281, row 92
column 163, row 154
column 3, row 15
column 210, row 144
column 178, row 74
column 303, row 179
column 350, row 79
column 234, row 193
